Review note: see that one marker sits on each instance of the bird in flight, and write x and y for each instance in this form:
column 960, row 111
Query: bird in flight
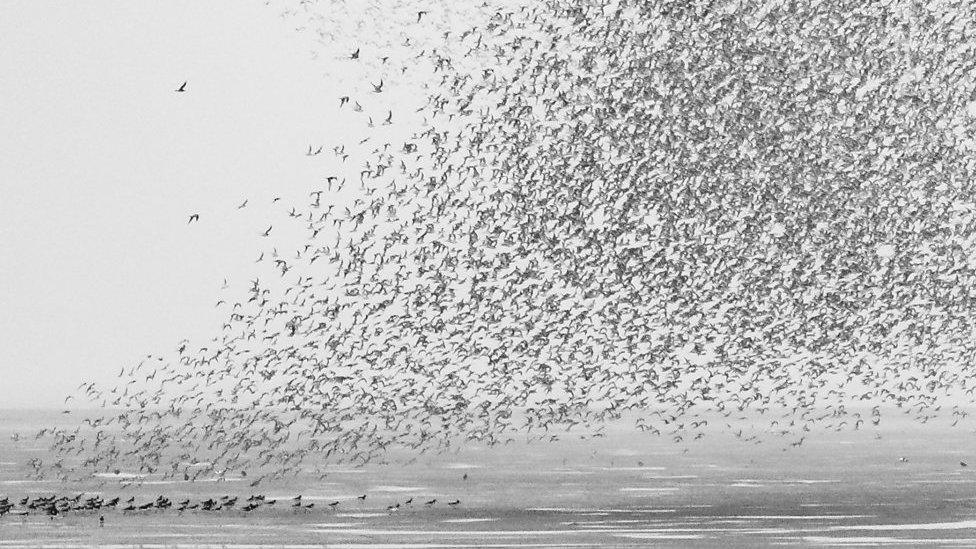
column 182, row 88
column 242, row 204
column 378, row 88
column 266, row 233
column 355, row 54
column 193, row 217
column 420, row 15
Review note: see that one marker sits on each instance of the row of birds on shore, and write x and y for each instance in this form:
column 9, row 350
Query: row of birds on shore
column 608, row 209
column 55, row 505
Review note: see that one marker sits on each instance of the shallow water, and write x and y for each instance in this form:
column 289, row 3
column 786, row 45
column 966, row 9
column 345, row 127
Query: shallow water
column 629, row 489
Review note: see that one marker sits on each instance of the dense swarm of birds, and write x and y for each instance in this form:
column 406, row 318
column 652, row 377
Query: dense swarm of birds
column 677, row 210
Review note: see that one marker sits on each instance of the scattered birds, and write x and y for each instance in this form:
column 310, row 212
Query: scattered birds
column 581, row 233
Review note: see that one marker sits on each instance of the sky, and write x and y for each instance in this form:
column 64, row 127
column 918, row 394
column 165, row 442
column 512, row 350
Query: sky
column 103, row 162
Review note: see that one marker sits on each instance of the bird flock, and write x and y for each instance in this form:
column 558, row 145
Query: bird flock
column 60, row 505
column 684, row 212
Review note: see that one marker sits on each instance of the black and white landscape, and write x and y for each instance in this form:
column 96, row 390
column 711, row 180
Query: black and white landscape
column 540, row 273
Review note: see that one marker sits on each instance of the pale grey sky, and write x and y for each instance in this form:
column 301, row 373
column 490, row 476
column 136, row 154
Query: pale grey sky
column 102, row 163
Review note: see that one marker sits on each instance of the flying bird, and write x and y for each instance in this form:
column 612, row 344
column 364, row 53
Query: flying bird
column 297, row 332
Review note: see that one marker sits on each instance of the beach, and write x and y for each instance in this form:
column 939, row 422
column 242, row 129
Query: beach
column 838, row 489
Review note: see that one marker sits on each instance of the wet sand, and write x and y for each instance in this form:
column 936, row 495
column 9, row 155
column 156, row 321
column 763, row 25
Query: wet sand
column 629, row 489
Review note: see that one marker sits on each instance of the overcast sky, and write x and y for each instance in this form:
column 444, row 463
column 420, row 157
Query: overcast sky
column 102, row 163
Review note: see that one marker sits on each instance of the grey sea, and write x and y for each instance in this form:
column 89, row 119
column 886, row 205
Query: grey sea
column 903, row 483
